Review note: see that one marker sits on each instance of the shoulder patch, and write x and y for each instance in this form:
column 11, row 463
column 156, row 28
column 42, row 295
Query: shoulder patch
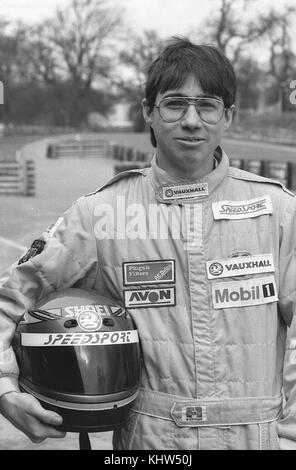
column 36, row 248
column 120, row 176
column 248, row 176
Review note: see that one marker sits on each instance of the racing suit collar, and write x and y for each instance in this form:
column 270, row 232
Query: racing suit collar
column 174, row 190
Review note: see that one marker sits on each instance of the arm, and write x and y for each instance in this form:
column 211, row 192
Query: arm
column 67, row 254
column 287, row 305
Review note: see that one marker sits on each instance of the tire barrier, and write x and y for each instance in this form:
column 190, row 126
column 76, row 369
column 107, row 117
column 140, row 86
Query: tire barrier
column 29, row 178
column 128, row 154
column 17, row 177
column 130, row 157
column 78, row 148
column 284, row 172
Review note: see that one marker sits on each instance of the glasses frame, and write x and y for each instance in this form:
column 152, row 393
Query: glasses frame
column 190, row 100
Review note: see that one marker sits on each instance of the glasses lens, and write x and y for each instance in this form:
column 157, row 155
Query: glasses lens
column 172, row 109
column 209, row 110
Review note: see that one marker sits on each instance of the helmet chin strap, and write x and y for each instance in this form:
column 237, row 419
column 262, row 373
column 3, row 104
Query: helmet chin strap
column 84, row 442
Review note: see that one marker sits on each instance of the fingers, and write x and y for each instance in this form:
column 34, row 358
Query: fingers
column 39, row 433
column 42, row 422
column 45, row 416
column 27, row 414
column 54, row 433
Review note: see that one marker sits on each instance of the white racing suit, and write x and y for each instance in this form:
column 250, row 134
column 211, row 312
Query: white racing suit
column 207, row 270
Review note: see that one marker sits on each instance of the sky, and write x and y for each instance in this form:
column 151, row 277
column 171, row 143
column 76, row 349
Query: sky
column 168, row 17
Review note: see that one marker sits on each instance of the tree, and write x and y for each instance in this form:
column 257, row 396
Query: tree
column 282, row 61
column 40, row 62
column 235, row 36
column 82, row 35
column 230, row 32
column 250, row 82
column 75, row 48
column 11, row 37
column 136, row 57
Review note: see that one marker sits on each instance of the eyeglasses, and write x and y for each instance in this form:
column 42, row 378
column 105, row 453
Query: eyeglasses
column 209, row 110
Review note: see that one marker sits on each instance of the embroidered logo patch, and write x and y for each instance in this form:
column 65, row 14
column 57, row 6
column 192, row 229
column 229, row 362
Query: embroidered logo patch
column 148, row 272
column 193, row 413
column 242, row 209
column 185, row 191
column 52, row 228
column 149, row 297
column 240, row 266
column 36, row 248
column 244, row 293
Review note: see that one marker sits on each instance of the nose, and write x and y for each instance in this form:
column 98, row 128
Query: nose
column 191, row 118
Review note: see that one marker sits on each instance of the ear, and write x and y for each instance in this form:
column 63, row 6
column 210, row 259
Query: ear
column 147, row 114
column 229, row 113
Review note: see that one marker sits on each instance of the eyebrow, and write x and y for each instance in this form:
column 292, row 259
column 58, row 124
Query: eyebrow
column 182, row 95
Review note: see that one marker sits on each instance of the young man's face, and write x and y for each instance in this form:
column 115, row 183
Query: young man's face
column 185, row 148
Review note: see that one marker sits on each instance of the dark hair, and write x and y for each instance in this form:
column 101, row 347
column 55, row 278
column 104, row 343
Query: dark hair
column 181, row 58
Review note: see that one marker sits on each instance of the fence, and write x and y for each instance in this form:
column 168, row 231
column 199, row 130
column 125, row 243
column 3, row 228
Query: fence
column 78, row 148
column 17, row 177
column 22, row 129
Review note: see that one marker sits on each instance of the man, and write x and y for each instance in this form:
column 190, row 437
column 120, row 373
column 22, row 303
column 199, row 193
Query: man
column 202, row 256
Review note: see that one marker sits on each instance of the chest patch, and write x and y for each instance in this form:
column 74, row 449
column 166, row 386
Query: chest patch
column 242, row 209
column 148, row 272
column 244, row 293
column 240, row 266
column 143, row 298
column 185, row 191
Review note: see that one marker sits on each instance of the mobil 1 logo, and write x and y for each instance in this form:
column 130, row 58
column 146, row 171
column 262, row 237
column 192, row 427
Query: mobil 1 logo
column 244, row 293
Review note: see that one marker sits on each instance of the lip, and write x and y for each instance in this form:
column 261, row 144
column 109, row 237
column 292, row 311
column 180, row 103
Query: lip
column 190, row 141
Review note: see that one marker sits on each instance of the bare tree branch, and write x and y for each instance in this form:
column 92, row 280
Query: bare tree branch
column 232, row 34
column 75, row 44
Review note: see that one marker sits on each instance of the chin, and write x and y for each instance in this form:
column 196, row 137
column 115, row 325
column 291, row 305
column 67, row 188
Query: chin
column 192, row 159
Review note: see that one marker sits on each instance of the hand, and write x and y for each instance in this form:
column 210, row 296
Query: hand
column 25, row 413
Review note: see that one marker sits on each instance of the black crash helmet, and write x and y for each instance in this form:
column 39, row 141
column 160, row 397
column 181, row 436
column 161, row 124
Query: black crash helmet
column 79, row 355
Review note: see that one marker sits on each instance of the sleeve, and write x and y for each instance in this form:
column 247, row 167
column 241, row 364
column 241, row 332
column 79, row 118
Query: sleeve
column 63, row 255
column 287, row 306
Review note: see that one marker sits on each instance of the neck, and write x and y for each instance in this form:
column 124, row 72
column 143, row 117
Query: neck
column 190, row 172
